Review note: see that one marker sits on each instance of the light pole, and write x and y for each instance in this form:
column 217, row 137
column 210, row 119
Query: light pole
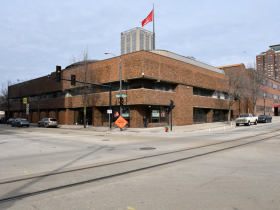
column 264, row 103
column 120, row 59
column 27, row 105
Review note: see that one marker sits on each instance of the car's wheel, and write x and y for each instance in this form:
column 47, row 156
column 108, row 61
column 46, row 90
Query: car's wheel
column 28, row 126
column 256, row 122
column 39, row 125
column 249, row 123
column 265, row 120
column 46, row 125
column 237, row 124
column 271, row 120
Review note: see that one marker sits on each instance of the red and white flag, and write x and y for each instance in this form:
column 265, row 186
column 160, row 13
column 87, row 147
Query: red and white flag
column 148, row 19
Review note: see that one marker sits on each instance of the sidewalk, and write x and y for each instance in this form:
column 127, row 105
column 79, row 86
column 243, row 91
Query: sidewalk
column 175, row 129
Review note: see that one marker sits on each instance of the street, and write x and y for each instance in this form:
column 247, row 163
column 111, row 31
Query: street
column 245, row 176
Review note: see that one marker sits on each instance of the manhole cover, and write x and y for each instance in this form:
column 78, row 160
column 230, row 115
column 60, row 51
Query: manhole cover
column 147, row 148
column 106, row 140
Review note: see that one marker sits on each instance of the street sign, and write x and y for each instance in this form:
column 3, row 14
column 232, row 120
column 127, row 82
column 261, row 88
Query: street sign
column 27, row 108
column 121, row 122
column 109, row 111
column 118, row 96
column 25, row 100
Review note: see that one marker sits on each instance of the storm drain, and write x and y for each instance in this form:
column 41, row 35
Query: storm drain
column 147, row 148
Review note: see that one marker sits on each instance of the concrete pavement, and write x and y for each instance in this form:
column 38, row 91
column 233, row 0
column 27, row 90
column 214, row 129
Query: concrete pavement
column 175, row 129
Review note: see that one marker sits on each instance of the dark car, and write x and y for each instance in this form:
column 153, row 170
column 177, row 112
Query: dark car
column 3, row 120
column 48, row 122
column 265, row 118
column 9, row 121
column 20, row 122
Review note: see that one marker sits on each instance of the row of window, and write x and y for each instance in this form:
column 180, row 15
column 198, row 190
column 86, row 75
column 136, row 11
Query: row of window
column 270, row 84
column 209, row 93
column 267, row 109
column 131, row 85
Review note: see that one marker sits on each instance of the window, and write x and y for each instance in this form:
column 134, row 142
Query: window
column 157, row 114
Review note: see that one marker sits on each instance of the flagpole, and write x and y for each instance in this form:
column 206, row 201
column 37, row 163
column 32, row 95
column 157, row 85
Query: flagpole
column 154, row 27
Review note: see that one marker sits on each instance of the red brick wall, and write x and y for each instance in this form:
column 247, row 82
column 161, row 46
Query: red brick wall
column 136, row 115
column 35, row 117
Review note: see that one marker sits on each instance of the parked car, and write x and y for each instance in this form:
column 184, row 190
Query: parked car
column 3, row 120
column 9, row 121
column 20, row 122
column 246, row 119
column 48, row 122
column 265, row 118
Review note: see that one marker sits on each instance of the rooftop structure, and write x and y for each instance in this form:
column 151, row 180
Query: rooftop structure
column 136, row 39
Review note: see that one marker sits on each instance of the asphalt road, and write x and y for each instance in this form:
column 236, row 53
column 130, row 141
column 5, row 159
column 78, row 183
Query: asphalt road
column 243, row 178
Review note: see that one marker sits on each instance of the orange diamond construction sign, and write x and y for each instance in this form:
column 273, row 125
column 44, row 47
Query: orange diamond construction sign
column 121, row 122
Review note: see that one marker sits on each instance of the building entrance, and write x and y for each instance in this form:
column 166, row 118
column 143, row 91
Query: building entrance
column 79, row 116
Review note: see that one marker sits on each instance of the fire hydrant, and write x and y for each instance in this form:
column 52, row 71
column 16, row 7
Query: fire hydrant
column 166, row 128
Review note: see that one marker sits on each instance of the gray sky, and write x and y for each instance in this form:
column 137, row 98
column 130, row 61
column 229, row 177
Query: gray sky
column 38, row 35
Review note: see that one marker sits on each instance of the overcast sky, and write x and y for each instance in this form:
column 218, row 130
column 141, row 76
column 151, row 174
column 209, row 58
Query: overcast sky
column 38, row 35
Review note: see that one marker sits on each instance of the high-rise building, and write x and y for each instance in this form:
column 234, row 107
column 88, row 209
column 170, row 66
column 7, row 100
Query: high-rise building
column 268, row 62
column 136, row 39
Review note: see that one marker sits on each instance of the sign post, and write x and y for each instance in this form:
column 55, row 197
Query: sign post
column 27, row 109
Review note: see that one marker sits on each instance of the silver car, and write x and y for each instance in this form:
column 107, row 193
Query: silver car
column 48, row 122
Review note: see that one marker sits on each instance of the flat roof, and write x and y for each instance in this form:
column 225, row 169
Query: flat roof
column 274, row 45
column 187, row 60
column 232, row 65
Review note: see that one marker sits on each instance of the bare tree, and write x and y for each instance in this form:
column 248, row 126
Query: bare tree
column 21, row 94
column 39, row 103
column 235, row 86
column 84, row 89
column 254, row 84
column 5, row 96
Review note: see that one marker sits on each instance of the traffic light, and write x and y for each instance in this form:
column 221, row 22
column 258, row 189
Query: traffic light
column 172, row 104
column 73, row 79
column 167, row 110
column 121, row 101
column 58, row 73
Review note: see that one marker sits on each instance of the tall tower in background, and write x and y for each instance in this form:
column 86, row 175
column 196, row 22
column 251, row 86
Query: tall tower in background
column 268, row 62
column 136, row 39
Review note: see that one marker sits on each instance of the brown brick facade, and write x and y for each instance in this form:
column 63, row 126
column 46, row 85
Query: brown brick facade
column 156, row 68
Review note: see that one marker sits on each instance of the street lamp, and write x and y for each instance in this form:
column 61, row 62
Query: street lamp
column 120, row 59
column 264, row 102
column 27, row 105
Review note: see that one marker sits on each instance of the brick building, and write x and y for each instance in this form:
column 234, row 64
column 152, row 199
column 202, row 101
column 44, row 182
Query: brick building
column 150, row 80
column 269, row 96
column 268, row 62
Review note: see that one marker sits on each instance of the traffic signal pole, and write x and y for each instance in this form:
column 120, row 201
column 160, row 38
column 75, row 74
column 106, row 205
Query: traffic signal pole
column 171, row 120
